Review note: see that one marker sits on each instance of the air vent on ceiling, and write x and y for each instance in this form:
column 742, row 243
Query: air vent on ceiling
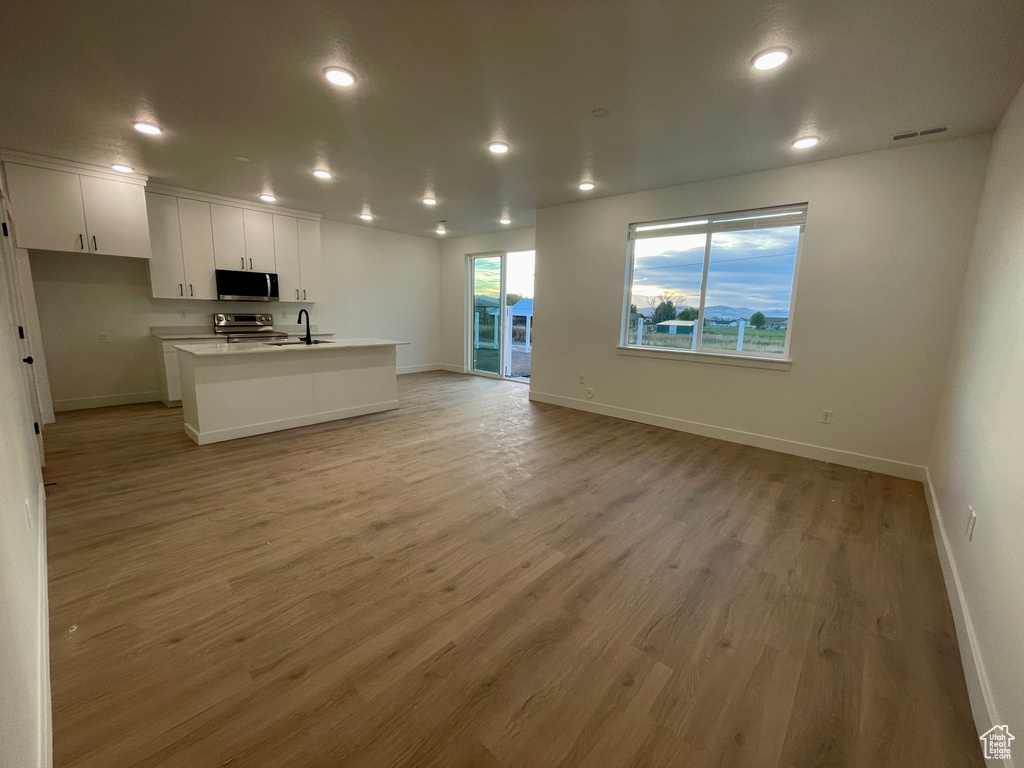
column 916, row 134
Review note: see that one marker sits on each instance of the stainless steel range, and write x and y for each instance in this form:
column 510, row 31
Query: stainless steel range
column 246, row 328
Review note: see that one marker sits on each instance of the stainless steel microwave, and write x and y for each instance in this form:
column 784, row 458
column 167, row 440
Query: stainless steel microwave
column 235, row 285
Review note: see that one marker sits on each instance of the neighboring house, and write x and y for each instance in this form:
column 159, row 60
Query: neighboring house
column 522, row 308
column 675, row 326
column 776, row 323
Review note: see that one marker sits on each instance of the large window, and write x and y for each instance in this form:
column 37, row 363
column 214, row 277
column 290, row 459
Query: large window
column 720, row 284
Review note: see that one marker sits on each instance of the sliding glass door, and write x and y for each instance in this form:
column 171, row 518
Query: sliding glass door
column 501, row 327
column 488, row 310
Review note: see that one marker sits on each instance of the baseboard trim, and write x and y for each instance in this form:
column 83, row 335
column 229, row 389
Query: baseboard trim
column 103, row 401
column 979, row 690
column 792, row 447
column 220, row 435
column 419, row 368
column 452, row 368
column 45, row 717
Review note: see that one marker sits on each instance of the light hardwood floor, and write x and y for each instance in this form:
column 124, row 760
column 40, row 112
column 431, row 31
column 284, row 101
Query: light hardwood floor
column 474, row 580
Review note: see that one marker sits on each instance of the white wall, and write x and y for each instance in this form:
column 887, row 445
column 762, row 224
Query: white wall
column 454, row 276
column 383, row 284
column 978, row 454
column 374, row 283
column 24, row 661
column 885, row 251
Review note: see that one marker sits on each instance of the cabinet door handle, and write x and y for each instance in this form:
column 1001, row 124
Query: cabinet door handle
column 27, row 360
column 181, row 289
column 81, row 242
column 243, row 262
column 250, row 263
column 303, row 294
column 296, row 294
column 190, row 291
column 94, row 246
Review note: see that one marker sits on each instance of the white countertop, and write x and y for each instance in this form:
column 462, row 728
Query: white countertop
column 179, row 333
column 263, row 348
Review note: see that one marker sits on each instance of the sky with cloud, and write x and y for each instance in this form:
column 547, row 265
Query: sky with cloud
column 752, row 269
column 519, row 269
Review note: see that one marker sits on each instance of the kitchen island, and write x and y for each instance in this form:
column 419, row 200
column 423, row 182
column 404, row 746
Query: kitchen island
column 237, row 390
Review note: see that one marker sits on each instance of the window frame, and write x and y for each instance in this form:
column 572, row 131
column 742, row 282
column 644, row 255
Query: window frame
column 794, row 214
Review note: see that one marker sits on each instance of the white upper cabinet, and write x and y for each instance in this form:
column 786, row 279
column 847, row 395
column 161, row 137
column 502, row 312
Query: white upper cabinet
column 197, row 248
column 166, row 269
column 192, row 238
column 115, row 217
column 57, row 210
column 46, row 208
column 309, row 258
column 182, row 237
column 259, row 241
column 286, row 255
column 228, row 237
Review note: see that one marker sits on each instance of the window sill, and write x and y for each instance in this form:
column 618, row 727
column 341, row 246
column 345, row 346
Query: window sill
column 742, row 361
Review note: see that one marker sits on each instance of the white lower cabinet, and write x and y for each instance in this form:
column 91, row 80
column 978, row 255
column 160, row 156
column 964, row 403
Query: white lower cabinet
column 170, row 377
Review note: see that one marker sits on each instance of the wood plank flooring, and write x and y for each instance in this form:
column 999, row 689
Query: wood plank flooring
column 475, row 580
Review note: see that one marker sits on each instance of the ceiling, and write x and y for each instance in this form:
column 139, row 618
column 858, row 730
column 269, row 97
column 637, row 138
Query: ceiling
column 438, row 80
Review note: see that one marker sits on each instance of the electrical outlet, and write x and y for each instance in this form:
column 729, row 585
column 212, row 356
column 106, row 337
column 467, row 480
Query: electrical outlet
column 972, row 518
column 184, row 315
column 284, row 315
column 826, row 417
column 583, row 379
column 104, row 339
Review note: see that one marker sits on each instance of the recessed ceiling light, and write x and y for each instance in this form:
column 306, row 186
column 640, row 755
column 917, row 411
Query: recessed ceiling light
column 429, row 201
column 121, row 168
column 320, row 173
column 339, row 76
column 805, row 142
column 772, row 58
column 366, row 217
column 504, row 220
column 266, row 197
column 498, row 147
column 441, row 229
column 586, row 186
column 148, row 128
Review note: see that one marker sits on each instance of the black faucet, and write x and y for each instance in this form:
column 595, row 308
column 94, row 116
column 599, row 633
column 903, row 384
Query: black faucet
column 308, row 338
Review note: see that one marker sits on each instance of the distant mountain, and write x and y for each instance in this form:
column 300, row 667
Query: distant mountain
column 734, row 313
column 723, row 312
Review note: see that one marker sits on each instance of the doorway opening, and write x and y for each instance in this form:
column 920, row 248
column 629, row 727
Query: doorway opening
column 501, row 333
